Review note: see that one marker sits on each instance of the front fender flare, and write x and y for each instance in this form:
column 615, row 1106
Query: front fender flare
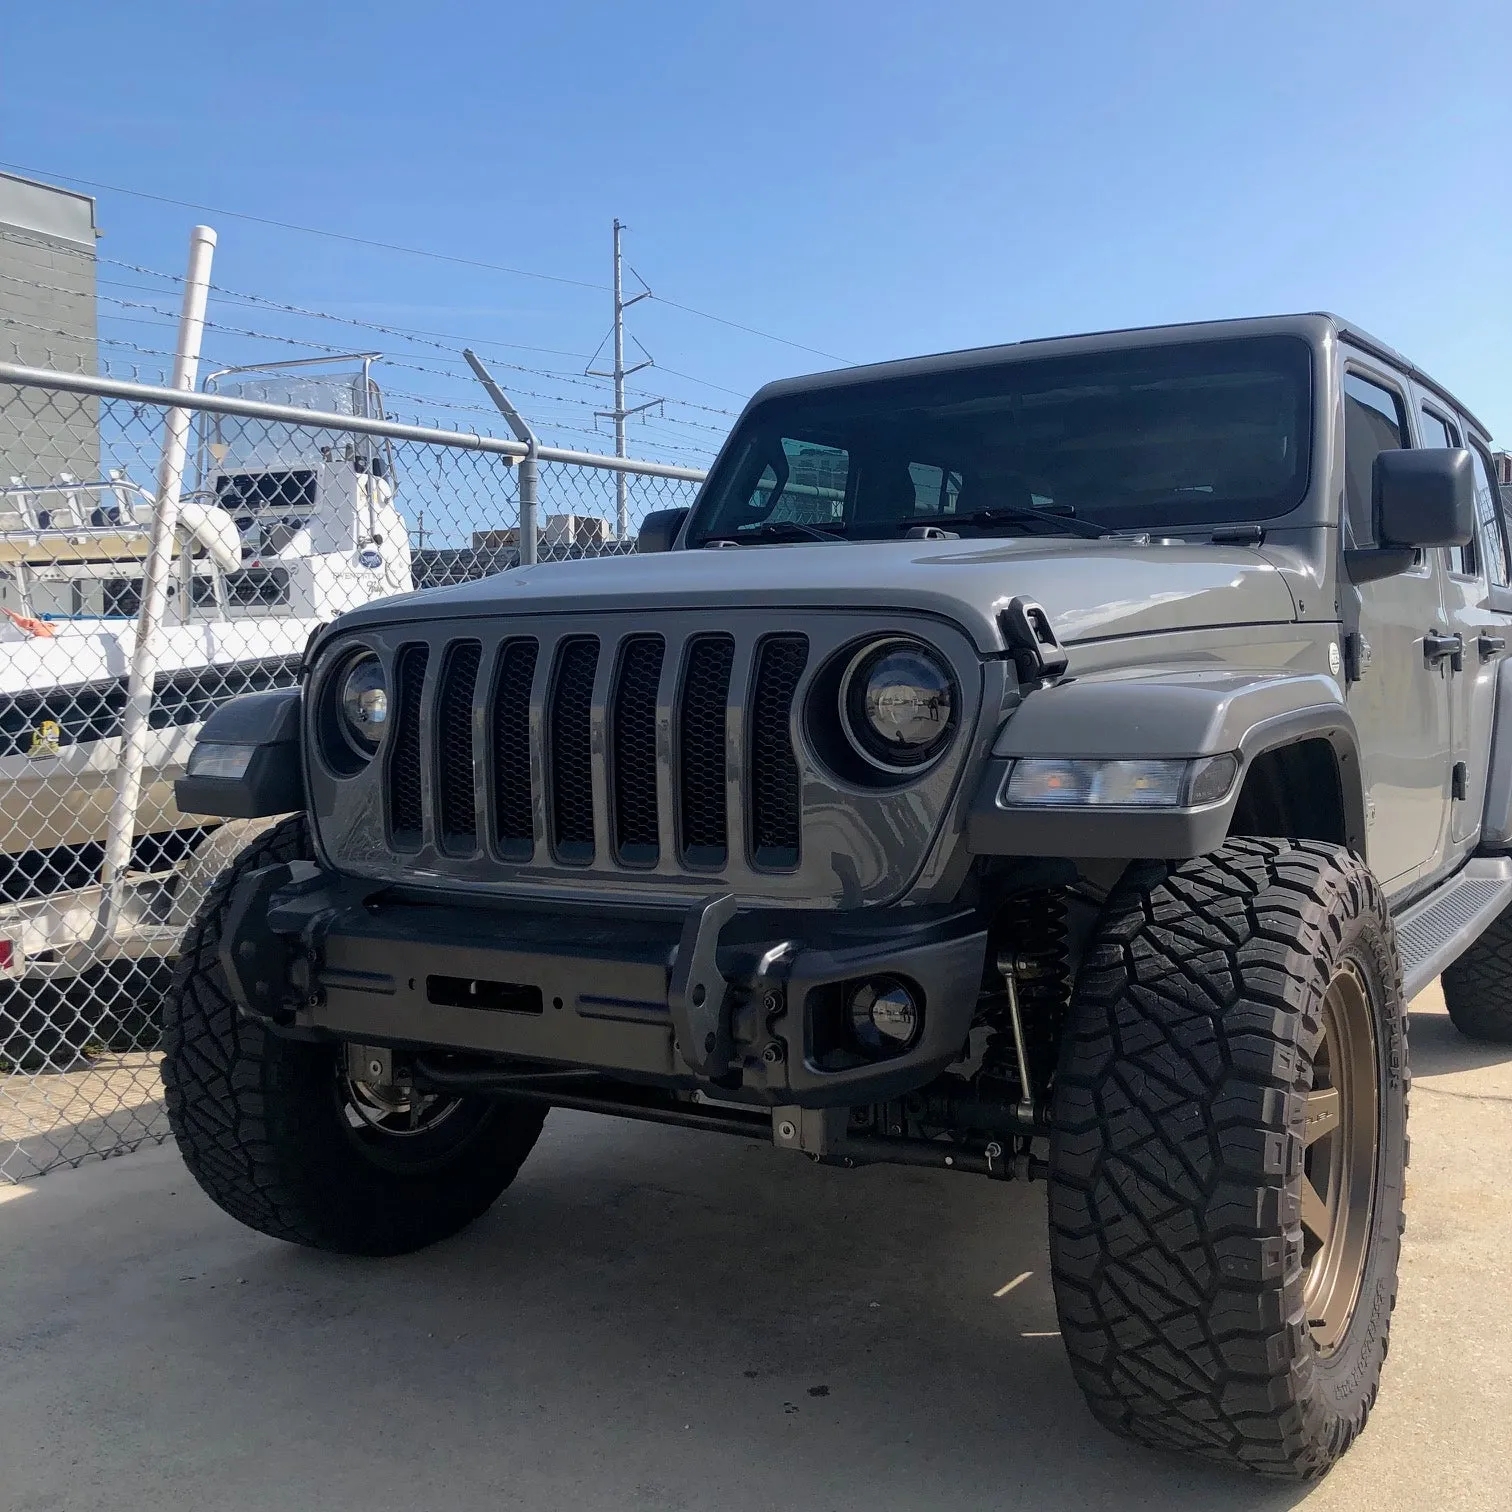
column 273, row 782
column 1154, row 713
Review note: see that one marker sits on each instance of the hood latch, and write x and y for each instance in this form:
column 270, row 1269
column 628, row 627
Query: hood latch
column 1032, row 642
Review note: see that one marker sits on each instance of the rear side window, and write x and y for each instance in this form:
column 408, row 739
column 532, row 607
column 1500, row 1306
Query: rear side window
column 1374, row 421
column 1436, row 431
column 1488, row 515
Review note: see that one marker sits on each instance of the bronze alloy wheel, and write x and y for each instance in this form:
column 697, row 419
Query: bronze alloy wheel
column 1228, row 1151
column 1341, row 1141
column 398, row 1112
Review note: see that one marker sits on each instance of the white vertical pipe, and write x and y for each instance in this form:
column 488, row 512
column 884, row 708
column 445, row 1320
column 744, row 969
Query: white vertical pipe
column 155, row 574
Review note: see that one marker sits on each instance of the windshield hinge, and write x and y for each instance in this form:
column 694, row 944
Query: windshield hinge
column 1238, row 535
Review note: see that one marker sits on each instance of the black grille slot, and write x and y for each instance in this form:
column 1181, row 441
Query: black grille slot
column 406, row 789
column 458, row 819
column 571, row 750
column 633, row 750
column 514, row 823
column 776, row 794
column 701, row 750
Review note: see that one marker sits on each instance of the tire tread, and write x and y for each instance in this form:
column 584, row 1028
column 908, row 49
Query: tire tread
column 1176, row 1137
column 246, row 1109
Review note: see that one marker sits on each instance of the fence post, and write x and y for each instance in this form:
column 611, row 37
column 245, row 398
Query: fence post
column 528, row 481
column 155, row 573
column 529, row 476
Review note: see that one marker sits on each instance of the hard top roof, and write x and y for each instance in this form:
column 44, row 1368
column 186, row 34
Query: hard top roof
column 1311, row 326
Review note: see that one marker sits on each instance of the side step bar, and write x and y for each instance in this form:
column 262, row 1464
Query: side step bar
column 1436, row 930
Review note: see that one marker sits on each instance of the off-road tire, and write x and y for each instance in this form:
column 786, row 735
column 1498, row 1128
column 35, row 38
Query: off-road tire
column 1177, row 1151
column 260, row 1122
column 1478, row 986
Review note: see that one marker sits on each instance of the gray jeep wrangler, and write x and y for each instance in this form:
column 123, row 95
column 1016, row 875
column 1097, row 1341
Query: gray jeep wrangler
column 1061, row 760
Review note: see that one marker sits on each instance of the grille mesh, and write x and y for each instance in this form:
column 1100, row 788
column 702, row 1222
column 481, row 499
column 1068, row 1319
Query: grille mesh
column 548, row 764
column 406, row 792
column 514, row 823
column 571, row 758
column 633, row 738
column 706, row 691
column 776, row 795
column 458, row 824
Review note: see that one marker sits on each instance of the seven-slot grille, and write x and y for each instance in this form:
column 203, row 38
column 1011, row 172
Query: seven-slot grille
column 548, row 753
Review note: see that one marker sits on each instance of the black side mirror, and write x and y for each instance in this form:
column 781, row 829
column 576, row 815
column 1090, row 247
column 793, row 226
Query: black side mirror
column 660, row 529
column 1424, row 498
column 1420, row 498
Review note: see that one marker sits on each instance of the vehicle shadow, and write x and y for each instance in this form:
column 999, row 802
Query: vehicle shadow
column 1435, row 1047
column 663, row 1319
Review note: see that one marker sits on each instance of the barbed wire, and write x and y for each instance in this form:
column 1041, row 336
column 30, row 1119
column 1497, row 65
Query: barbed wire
column 395, row 362
column 669, row 432
column 168, row 317
column 410, row 333
column 435, row 405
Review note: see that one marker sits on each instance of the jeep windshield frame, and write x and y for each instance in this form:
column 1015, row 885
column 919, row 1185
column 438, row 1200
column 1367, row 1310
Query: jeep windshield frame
column 1181, row 436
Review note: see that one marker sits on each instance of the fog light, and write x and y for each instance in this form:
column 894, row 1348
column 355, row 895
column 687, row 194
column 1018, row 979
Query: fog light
column 884, row 1014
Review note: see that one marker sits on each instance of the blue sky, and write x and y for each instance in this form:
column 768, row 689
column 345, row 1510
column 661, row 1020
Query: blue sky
column 865, row 180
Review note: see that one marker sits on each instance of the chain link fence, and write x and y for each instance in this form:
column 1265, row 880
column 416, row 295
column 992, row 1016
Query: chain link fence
column 299, row 501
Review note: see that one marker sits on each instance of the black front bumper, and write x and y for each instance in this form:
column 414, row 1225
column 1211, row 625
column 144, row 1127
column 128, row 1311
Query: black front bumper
column 747, row 1000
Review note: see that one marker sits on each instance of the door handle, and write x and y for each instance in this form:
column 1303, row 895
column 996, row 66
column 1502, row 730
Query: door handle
column 1438, row 648
column 1490, row 645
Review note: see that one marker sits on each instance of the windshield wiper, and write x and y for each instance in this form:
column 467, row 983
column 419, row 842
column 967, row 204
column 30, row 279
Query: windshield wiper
column 779, row 530
column 1010, row 514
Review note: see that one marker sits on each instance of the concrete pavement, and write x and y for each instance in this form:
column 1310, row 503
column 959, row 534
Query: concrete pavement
column 659, row 1319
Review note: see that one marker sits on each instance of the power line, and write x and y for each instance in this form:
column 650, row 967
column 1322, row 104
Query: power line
column 738, row 393
column 364, row 241
column 752, row 331
column 264, row 220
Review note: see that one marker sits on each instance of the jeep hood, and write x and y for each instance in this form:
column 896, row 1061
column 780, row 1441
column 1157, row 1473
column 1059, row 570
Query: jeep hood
column 1090, row 588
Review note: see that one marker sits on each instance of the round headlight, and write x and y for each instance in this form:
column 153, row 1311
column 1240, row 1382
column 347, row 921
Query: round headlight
column 364, row 702
column 898, row 705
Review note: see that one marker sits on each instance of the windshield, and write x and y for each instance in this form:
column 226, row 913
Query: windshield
column 235, row 442
column 1166, row 436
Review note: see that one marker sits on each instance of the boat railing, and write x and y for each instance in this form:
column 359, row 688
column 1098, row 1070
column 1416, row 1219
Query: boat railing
column 28, row 508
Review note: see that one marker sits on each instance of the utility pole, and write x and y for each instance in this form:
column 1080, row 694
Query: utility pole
column 619, row 414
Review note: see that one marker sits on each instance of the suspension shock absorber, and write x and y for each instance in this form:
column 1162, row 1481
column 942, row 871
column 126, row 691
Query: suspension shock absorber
column 1025, row 1016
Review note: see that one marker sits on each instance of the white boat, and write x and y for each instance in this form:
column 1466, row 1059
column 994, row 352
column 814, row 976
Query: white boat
column 283, row 528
